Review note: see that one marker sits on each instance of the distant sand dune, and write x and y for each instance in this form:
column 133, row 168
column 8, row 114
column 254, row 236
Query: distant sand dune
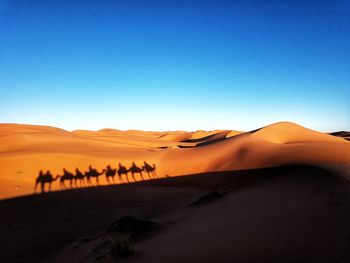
column 287, row 132
column 25, row 149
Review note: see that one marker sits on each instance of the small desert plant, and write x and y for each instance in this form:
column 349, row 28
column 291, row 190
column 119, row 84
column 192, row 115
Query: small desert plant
column 134, row 227
column 115, row 246
column 120, row 245
column 120, row 236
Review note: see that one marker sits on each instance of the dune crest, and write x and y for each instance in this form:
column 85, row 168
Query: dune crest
column 289, row 132
column 26, row 149
column 13, row 128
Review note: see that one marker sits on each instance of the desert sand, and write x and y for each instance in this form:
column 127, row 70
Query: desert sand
column 27, row 149
column 279, row 193
column 285, row 214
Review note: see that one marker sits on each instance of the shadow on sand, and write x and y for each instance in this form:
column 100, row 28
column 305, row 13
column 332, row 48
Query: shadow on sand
column 84, row 179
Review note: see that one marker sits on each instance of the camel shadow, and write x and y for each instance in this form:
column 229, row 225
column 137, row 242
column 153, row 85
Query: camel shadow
column 150, row 170
column 43, row 179
column 79, row 176
column 81, row 179
column 122, row 170
column 110, row 173
column 92, row 172
column 134, row 169
column 67, row 176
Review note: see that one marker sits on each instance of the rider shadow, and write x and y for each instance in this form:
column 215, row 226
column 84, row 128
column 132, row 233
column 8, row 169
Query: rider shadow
column 43, row 179
column 67, row 176
column 150, row 170
column 79, row 176
column 92, row 172
column 134, row 169
column 122, row 170
column 84, row 178
column 110, row 173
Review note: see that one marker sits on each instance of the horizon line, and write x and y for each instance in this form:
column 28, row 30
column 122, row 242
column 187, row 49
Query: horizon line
column 147, row 130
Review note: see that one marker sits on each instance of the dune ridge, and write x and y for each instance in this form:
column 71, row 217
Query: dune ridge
column 26, row 149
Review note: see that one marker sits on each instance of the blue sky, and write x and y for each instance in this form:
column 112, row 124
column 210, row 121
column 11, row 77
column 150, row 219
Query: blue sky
column 165, row 65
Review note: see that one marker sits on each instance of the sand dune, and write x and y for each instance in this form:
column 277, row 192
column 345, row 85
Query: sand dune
column 260, row 149
column 233, row 133
column 25, row 149
column 284, row 214
column 175, row 136
column 342, row 134
column 202, row 134
column 10, row 129
column 287, row 132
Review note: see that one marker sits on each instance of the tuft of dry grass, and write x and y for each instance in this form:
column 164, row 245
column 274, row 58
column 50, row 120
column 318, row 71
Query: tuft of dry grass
column 120, row 245
column 118, row 242
column 115, row 246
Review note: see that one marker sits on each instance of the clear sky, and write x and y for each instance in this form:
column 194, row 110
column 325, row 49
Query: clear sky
column 165, row 65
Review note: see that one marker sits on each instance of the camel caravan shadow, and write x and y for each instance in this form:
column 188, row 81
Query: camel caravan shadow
column 80, row 179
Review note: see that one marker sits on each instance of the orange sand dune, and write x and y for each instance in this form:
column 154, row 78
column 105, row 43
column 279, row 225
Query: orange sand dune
column 201, row 134
column 262, row 148
column 287, row 132
column 25, row 149
column 208, row 136
column 175, row 136
column 10, row 129
column 233, row 133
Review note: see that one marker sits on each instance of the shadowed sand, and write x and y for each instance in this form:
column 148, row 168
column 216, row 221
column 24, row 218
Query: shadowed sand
column 283, row 214
column 276, row 194
column 26, row 149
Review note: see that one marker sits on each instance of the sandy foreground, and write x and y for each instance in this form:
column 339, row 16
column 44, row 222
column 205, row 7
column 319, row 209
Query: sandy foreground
column 26, row 149
column 285, row 214
column 277, row 194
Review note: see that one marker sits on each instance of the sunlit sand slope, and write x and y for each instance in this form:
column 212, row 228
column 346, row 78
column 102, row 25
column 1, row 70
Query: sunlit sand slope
column 26, row 149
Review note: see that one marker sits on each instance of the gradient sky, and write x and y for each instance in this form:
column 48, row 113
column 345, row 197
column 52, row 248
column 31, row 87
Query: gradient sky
column 165, row 65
